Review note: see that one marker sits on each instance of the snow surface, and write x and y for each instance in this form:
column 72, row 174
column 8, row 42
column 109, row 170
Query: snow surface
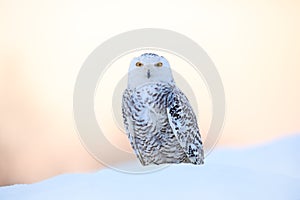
column 264, row 172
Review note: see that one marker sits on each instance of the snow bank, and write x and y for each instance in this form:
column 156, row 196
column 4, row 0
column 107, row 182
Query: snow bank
column 265, row 172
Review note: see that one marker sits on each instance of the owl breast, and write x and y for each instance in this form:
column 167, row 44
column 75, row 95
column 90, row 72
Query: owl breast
column 154, row 138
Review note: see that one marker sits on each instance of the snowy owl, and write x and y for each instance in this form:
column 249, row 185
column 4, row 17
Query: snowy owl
column 158, row 119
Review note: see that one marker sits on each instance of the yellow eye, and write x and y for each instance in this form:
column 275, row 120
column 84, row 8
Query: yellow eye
column 138, row 64
column 159, row 64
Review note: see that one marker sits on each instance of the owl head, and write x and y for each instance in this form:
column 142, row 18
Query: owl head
column 147, row 68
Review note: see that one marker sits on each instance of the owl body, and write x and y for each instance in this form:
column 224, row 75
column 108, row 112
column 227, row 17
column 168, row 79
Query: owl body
column 160, row 123
column 154, row 139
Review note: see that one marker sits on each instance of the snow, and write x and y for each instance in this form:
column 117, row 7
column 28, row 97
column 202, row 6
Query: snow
column 270, row 171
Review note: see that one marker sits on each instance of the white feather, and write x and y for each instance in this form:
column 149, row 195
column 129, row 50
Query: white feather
column 160, row 123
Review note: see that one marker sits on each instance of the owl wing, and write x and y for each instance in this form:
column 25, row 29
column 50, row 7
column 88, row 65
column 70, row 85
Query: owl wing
column 184, row 125
column 127, row 112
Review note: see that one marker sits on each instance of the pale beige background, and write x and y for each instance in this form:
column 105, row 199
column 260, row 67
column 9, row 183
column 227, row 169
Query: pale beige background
column 254, row 44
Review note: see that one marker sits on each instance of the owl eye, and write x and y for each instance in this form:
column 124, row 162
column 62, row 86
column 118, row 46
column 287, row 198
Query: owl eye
column 139, row 64
column 159, row 64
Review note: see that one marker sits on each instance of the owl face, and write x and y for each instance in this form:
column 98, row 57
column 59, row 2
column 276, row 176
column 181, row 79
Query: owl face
column 149, row 67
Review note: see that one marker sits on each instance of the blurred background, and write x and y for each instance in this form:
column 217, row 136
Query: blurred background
column 255, row 46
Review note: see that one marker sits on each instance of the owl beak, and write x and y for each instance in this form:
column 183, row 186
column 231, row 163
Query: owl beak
column 148, row 73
